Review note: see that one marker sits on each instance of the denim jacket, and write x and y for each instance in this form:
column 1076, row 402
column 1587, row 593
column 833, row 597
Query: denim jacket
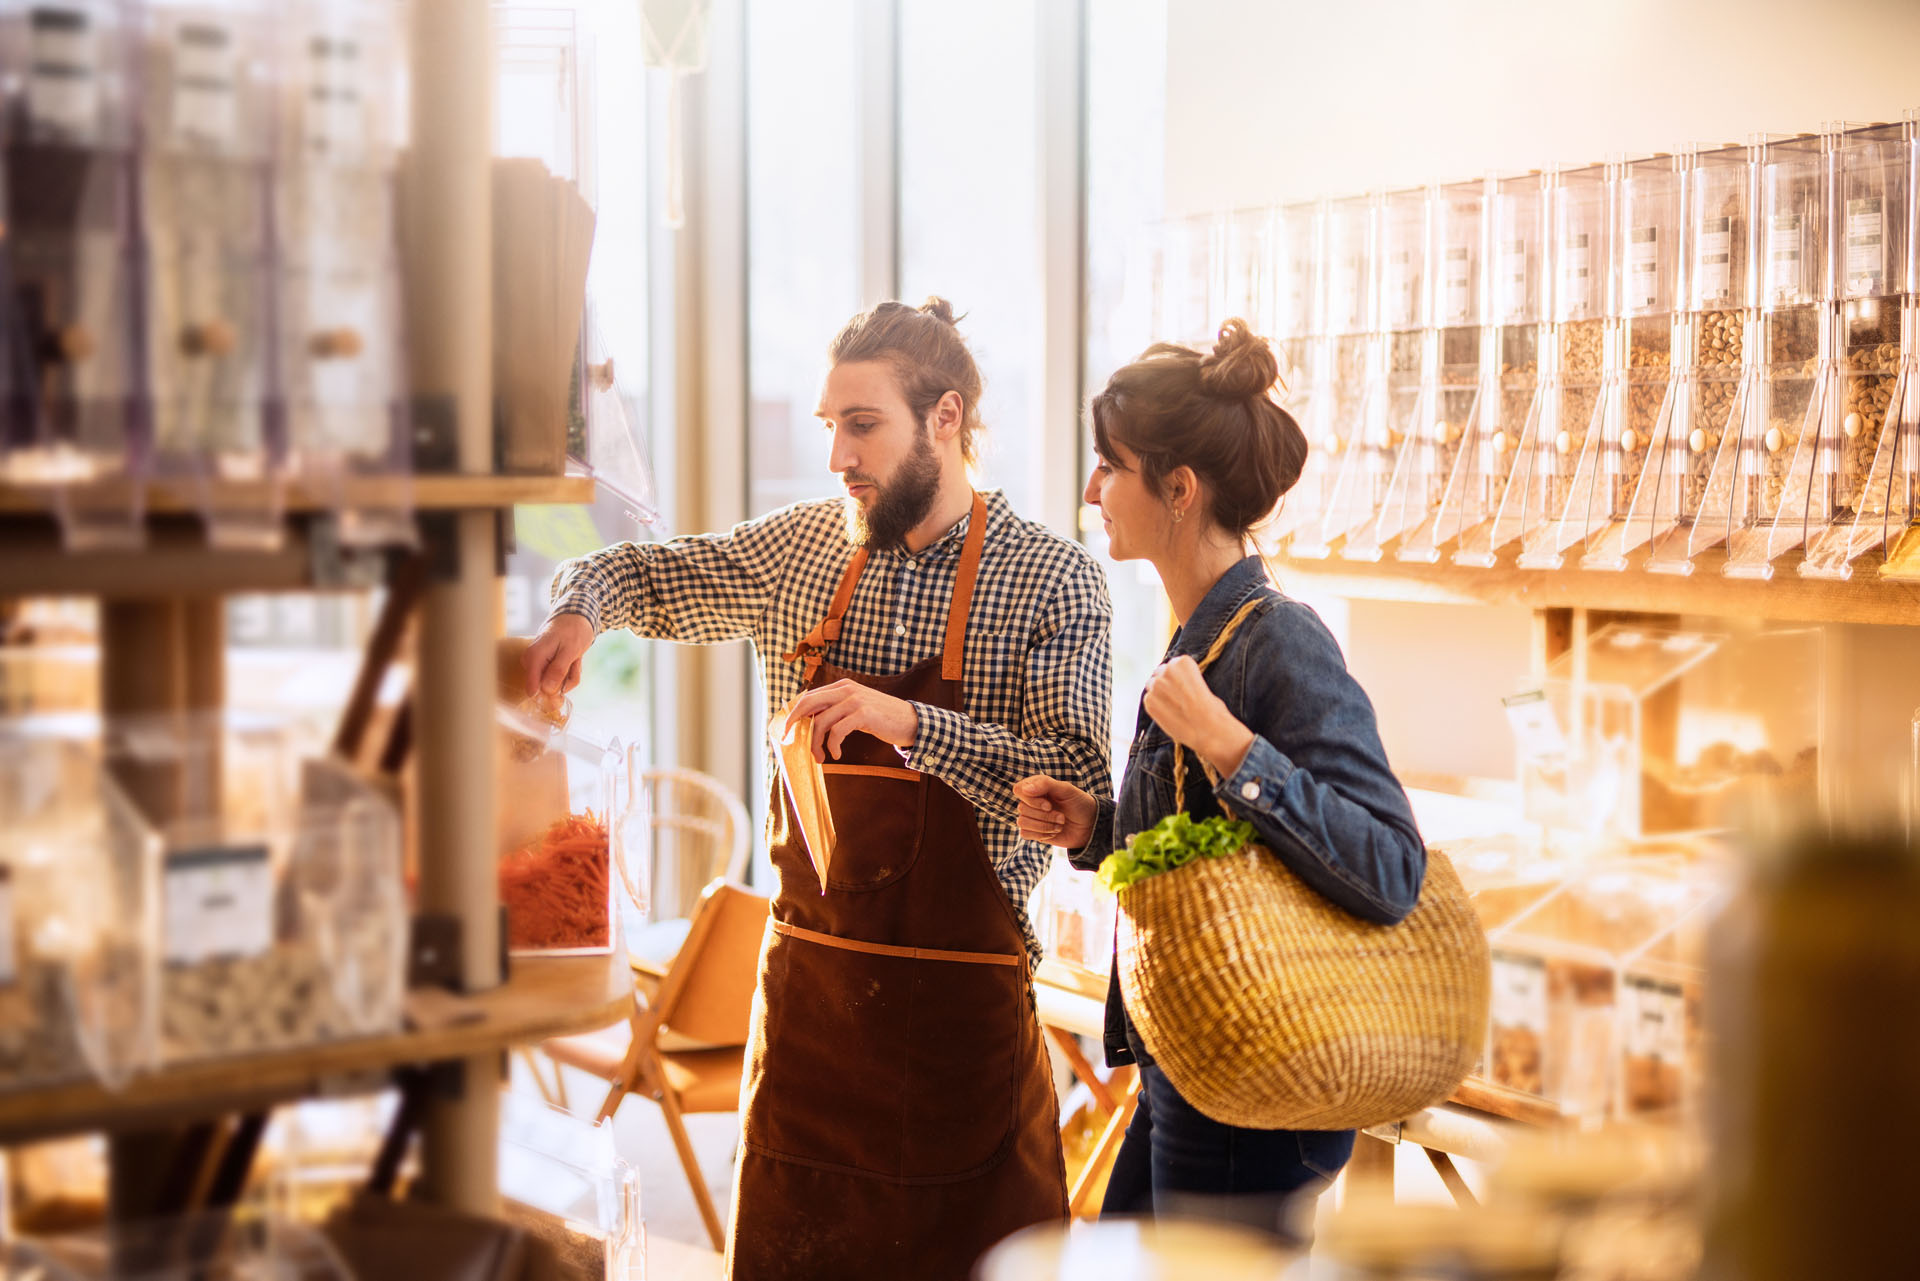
column 1315, row 784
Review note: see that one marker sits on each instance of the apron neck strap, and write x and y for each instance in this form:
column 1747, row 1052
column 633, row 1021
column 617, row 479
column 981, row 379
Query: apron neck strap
column 951, row 661
column 812, row 646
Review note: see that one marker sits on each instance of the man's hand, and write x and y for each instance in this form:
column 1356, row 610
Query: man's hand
column 1180, row 703
column 552, row 660
column 1055, row 812
column 845, row 707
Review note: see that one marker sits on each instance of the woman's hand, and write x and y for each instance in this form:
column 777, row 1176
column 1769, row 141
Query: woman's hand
column 1055, row 812
column 1180, row 703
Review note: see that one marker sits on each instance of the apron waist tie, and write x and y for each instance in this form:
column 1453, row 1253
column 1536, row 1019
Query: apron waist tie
column 888, row 949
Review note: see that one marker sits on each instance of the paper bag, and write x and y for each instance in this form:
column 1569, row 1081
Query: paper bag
column 807, row 787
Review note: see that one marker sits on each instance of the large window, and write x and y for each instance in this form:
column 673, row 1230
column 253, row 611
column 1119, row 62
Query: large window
column 969, row 210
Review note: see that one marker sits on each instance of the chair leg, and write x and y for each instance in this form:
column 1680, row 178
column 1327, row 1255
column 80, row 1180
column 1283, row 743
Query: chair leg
column 555, row 1092
column 670, row 1108
column 1100, row 1160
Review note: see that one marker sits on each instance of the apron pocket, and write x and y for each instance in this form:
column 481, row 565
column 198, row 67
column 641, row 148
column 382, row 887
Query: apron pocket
column 879, row 813
column 888, row 1065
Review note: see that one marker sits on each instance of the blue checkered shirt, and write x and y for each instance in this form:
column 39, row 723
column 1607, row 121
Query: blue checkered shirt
column 1038, row 678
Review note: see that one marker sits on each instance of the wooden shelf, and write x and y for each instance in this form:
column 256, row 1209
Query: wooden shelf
column 1482, row 1095
column 426, row 493
column 546, row 997
column 1867, row 597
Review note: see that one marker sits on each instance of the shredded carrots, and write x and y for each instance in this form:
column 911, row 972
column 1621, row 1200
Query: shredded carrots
column 555, row 887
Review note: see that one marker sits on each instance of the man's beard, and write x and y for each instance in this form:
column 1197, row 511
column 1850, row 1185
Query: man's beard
column 900, row 504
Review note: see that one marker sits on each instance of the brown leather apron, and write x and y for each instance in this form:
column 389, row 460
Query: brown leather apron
column 898, row 1116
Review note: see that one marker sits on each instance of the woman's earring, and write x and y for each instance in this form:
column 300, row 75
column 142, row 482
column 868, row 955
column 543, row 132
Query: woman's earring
column 1179, row 514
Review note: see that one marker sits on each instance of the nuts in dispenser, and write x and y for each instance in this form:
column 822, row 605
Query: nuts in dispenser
column 1718, row 356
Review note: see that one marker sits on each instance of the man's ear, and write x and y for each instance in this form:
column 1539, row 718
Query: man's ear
column 947, row 416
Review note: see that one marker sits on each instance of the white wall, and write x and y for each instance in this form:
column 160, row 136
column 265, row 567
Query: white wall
column 1276, row 100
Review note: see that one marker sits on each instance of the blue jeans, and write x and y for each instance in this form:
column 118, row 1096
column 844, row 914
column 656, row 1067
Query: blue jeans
column 1177, row 1161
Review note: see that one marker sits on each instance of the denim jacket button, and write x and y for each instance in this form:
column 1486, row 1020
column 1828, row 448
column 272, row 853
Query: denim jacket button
column 1250, row 791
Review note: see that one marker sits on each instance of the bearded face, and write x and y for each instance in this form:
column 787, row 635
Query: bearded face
column 881, row 513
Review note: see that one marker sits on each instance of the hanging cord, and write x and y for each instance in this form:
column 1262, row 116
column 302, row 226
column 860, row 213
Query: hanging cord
column 667, row 55
column 1180, row 752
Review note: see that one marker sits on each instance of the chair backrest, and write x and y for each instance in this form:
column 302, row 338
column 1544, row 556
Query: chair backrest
column 696, row 831
column 707, row 995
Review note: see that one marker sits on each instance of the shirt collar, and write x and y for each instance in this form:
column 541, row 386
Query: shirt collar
column 948, row 545
column 1220, row 603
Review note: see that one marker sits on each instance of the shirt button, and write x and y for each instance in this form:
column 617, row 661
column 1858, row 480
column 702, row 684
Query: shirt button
column 899, row 629
column 1251, row 791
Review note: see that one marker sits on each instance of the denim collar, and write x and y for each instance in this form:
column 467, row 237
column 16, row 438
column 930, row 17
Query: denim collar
column 1218, row 606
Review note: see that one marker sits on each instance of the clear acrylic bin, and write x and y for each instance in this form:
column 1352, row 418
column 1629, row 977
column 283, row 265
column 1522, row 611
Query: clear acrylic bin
column 74, row 429
column 1400, row 405
column 282, row 920
column 564, row 1167
column 205, row 1246
column 206, row 191
column 1074, row 918
column 1300, row 343
column 78, row 918
column 1344, row 371
column 560, row 802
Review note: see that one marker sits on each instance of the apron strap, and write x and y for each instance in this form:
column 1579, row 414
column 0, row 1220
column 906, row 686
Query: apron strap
column 951, row 663
column 813, row 645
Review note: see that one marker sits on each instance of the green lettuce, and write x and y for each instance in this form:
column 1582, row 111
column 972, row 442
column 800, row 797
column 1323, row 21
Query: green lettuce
column 1174, row 841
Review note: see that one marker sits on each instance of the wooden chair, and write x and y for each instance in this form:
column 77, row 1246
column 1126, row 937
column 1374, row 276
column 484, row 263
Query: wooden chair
column 685, row 1047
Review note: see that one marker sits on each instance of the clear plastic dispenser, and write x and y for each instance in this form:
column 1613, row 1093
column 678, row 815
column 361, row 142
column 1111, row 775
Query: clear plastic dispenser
column 206, row 191
column 1542, row 484
column 1341, row 411
column 1186, row 254
column 1649, row 207
column 1399, row 403
column 1519, row 307
column 1768, row 466
column 1303, row 346
column 1447, row 422
column 1861, row 497
column 1676, row 513
column 75, row 432
column 341, row 352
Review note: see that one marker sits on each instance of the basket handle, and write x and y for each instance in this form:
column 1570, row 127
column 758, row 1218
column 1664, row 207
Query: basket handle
column 1179, row 749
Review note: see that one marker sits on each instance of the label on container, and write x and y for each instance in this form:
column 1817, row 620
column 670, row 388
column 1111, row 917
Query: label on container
column 1713, row 264
column 1866, row 246
column 1403, row 306
column 1656, row 1020
column 1576, row 273
column 1519, row 990
column 1513, row 278
column 1457, row 297
column 336, row 119
column 216, row 901
column 205, row 83
column 1643, row 268
column 9, row 945
column 1536, row 730
column 63, row 83
column 1784, row 256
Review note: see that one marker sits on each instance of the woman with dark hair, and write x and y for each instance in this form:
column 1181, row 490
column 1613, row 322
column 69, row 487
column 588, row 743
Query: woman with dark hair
column 1193, row 453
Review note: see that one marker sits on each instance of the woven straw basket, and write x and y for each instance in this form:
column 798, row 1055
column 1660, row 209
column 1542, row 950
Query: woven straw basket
column 1270, row 1008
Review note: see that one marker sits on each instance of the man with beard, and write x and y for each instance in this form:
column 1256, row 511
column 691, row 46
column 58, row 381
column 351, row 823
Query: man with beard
column 898, row 1115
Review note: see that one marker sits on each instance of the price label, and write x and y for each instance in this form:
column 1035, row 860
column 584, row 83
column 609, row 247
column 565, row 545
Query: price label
column 205, row 80
column 1519, row 991
column 1643, row 268
column 63, row 84
column 1459, row 288
column 1536, row 730
column 1784, row 254
column 218, row 902
column 1513, row 279
column 1713, row 264
column 1576, row 273
column 336, row 119
column 1656, row 1020
column 1866, row 246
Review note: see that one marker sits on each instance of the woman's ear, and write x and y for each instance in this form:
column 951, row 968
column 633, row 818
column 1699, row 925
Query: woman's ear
column 1181, row 487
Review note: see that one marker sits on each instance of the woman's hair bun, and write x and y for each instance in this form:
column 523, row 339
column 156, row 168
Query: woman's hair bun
column 1241, row 365
column 939, row 308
